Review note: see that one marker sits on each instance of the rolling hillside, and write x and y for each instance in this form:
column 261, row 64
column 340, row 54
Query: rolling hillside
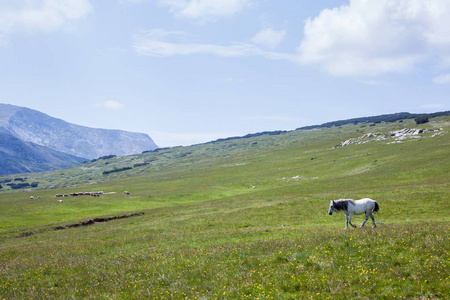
column 240, row 218
column 301, row 158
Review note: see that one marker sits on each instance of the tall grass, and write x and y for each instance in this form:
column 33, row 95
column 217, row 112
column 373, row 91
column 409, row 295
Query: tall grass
column 191, row 258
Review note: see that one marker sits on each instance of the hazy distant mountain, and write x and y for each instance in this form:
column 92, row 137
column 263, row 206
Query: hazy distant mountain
column 17, row 156
column 33, row 126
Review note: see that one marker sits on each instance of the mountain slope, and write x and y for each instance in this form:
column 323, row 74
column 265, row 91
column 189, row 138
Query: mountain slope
column 272, row 160
column 36, row 127
column 17, row 156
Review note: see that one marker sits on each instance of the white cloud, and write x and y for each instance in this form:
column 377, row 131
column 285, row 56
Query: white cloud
column 155, row 43
column 442, row 79
column 40, row 15
column 269, row 37
column 206, row 10
column 111, row 105
column 114, row 105
column 371, row 37
column 369, row 82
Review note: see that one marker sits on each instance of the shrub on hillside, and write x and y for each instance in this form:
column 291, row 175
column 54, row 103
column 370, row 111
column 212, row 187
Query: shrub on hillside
column 104, row 157
column 117, row 170
column 16, row 186
column 107, row 156
column 421, row 119
column 140, row 165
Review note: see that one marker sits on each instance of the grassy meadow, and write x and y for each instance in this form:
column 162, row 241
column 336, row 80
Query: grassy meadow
column 239, row 219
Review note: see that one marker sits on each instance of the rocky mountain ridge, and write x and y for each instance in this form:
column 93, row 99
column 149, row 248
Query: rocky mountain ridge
column 17, row 156
column 33, row 126
column 31, row 141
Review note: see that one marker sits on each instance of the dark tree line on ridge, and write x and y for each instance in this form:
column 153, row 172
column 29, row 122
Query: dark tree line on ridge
column 390, row 118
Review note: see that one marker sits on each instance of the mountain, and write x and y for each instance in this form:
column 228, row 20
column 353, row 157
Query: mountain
column 17, row 156
column 33, row 126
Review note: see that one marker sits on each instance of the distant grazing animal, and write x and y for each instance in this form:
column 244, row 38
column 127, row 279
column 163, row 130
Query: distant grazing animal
column 126, row 193
column 31, row 197
column 358, row 207
column 60, row 201
column 94, row 194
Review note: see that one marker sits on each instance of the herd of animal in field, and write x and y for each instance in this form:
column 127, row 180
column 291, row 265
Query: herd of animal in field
column 93, row 194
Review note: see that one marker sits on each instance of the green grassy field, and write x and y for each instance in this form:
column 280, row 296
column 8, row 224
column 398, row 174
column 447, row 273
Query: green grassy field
column 239, row 219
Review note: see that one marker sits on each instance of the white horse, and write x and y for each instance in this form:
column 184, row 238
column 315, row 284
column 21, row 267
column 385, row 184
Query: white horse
column 358, row 207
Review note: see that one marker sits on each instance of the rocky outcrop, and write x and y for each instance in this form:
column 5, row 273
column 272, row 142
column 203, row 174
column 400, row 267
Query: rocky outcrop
column 396, row 136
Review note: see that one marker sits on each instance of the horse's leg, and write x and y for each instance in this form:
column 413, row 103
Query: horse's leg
column 350, row 220
column 367, row 217
column 346, row 221
column 373, row 220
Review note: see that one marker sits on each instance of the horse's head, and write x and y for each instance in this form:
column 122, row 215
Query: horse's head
column 331, row 209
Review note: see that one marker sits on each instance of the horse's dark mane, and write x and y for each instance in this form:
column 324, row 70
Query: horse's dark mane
column 342, row 204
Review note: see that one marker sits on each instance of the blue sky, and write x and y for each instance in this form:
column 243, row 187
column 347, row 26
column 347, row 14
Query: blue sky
column 192, row 71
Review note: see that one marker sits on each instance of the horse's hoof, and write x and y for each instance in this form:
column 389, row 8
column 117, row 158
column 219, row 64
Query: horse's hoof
column 374, row 226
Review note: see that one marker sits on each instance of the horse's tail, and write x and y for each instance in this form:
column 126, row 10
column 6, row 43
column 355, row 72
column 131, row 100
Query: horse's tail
column 376, row 207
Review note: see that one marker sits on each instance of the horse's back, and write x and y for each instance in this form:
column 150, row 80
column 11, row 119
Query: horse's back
column 364, row 205
column 366, row 200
